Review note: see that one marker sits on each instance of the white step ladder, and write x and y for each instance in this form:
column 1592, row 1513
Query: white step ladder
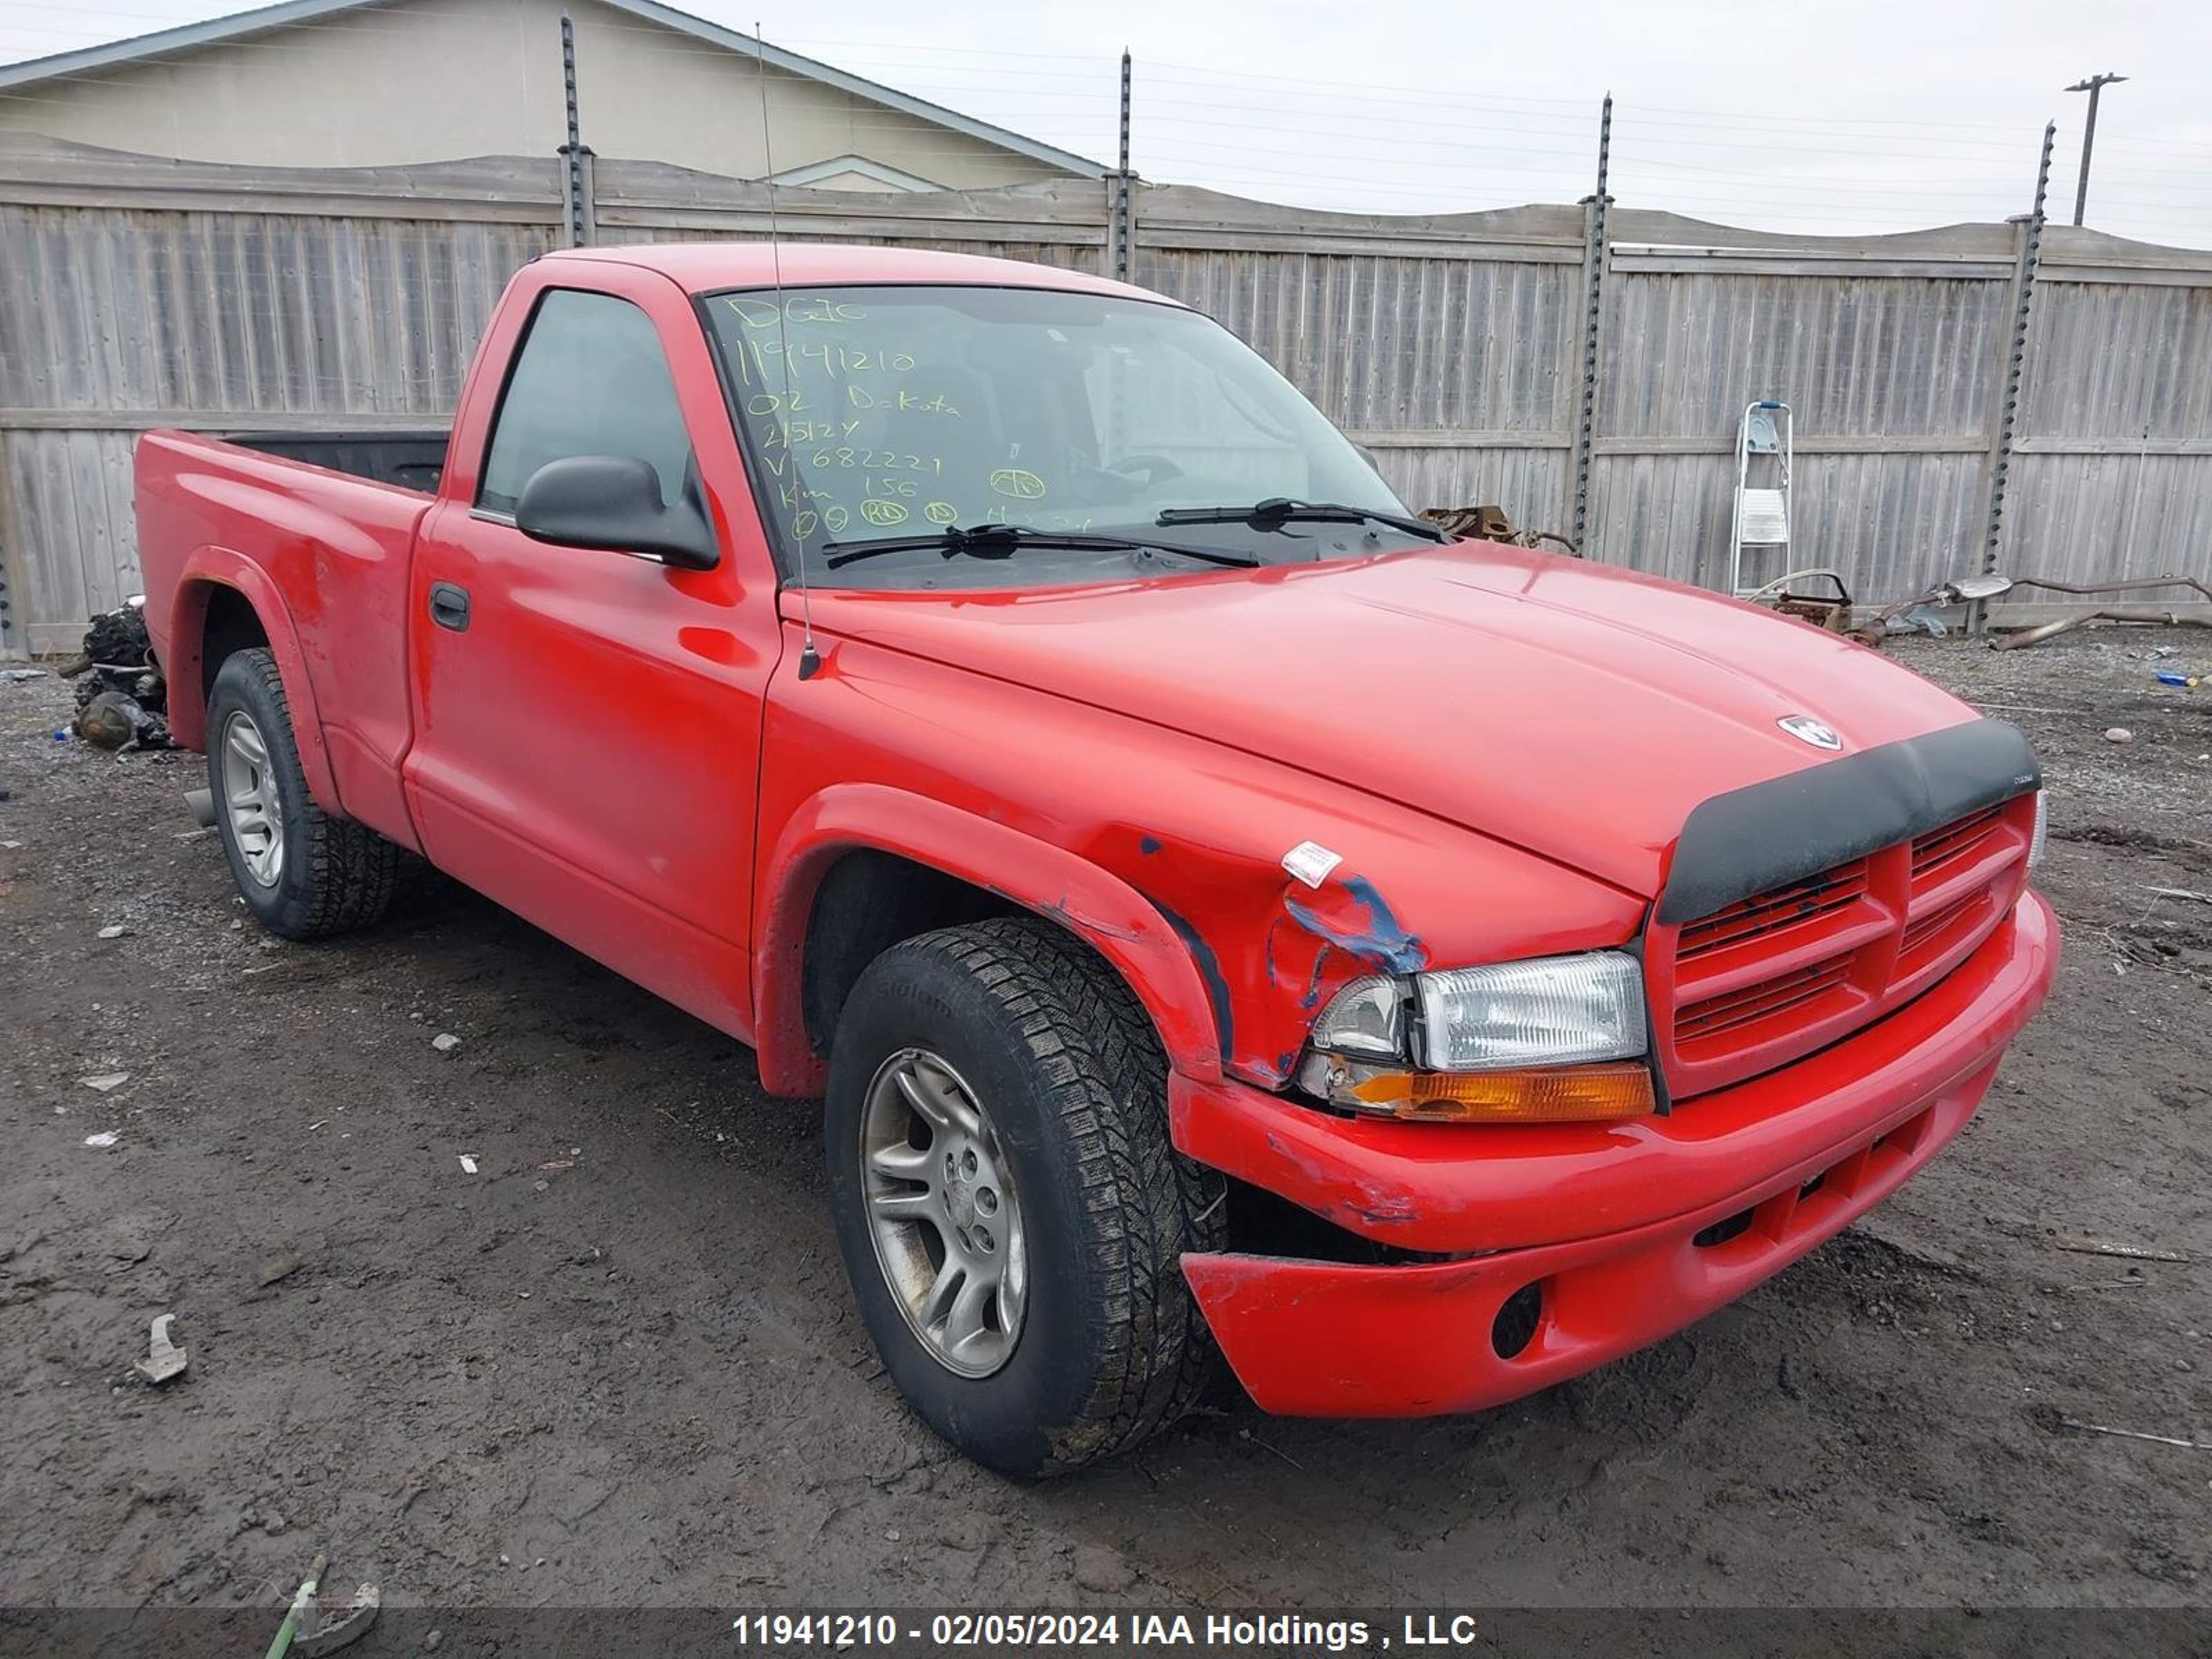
column 1760, row 517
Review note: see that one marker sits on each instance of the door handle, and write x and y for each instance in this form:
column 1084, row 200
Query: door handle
column 449, row 606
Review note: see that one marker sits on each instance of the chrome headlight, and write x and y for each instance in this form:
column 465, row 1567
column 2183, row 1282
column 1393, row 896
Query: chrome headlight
column 1554, row 1011
column 1366, row 1020
column 1540, row 1040
column 1550, row 1011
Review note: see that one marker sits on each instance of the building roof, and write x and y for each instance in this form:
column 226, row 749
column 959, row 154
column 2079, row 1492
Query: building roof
column 190, row 37
column 705, row 267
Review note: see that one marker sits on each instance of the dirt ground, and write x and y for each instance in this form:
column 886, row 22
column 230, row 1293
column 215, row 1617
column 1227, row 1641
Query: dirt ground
column 616, row 1365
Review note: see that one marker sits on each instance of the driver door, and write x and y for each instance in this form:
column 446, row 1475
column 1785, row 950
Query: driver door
column 588, row 726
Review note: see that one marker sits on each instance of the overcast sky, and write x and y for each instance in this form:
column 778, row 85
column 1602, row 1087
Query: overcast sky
column 1831, row 117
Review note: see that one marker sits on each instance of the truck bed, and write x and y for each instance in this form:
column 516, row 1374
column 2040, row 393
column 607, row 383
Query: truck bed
column 411, row 458
column 331, row 515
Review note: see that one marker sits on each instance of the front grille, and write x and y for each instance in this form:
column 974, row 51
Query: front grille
column 1712, row 1019
column 1918, row 933
column 1948, row 848
column 1772, row 977
column 1763, row 912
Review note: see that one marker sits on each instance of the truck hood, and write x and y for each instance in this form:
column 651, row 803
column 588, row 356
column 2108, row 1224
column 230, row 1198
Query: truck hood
column 1578, row 711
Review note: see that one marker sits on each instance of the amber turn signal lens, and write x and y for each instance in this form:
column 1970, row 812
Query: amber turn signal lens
column 1566, row 1094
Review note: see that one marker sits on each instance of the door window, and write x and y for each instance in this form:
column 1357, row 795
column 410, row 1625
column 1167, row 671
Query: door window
column 591, row 380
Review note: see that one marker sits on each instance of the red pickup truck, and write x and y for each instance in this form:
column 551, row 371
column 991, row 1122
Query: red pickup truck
column 1224, row 915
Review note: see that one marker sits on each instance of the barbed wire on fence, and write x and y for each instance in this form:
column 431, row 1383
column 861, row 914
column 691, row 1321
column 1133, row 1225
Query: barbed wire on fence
column 1241, row 130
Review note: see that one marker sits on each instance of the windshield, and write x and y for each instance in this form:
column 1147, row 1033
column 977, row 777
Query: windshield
column 908, row 411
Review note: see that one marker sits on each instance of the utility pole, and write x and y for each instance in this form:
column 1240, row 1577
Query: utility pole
column 2092, row 85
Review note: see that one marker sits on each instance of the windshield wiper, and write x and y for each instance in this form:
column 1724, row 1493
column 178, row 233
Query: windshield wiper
column 1001, row 541
column 1280, row 509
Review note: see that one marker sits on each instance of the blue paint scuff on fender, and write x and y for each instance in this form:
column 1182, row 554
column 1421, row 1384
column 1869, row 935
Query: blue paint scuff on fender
column 1209, row 969
column 1375, row 937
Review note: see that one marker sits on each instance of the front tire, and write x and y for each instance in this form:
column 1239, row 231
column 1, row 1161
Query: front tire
column 1014, row 1235
column 303, row 873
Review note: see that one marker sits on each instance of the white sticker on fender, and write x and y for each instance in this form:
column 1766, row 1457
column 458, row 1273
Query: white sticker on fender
column 1310, row 862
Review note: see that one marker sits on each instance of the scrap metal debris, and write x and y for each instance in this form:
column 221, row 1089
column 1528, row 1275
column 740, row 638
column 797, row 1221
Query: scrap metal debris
column 2014, row 638
column 313, row 1627
column 2051, row 630
column 2113, row 1247
column 1917, row 614
column 122, row 699
column 1830, row 611
column 1488, row 523
column 329, row 1625
column 113, row 720
column 2080, row 1427
column 165, row 1361
column 2193, row 896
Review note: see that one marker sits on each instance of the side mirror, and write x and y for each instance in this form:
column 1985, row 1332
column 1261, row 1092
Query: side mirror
column 613, row 501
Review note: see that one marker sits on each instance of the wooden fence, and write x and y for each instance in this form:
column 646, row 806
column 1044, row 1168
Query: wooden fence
column 141, row 291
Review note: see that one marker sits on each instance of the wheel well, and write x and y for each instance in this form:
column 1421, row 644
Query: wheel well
column 867, row 902
column 231, row 625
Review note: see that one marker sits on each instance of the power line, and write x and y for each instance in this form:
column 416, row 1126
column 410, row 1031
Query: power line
column 1459, row 145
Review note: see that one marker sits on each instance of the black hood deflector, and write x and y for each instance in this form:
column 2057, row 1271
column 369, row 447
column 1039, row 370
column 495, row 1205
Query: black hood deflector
column 1765, row 836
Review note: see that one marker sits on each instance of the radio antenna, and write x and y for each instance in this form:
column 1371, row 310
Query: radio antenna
column 809, row 659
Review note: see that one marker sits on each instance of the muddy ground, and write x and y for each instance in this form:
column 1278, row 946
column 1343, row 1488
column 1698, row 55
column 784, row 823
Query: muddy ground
column 616, row 1365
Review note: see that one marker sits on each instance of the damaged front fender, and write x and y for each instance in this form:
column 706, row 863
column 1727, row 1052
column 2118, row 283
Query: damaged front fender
column 1276, row 934
column 1089, row 901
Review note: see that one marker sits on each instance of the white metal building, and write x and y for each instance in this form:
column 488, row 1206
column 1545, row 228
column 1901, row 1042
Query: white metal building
column 385, row 82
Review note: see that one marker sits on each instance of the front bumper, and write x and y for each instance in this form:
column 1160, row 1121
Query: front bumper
column 1604, row 1217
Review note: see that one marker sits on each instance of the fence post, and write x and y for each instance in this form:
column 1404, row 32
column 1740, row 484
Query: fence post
column 2028, row 251
column 578, row 211
column 13, row 643
column 1593, row 247
column 1122, row 234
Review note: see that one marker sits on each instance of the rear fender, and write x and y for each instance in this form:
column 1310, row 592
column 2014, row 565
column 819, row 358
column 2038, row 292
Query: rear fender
column 206, row 570
column 1095, row 905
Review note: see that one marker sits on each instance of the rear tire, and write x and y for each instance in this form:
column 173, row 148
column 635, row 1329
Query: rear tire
column 1059, row 1060
column 303, row 873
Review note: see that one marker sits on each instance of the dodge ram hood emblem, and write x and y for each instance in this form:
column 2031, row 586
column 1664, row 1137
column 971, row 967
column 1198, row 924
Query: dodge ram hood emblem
column 1806, row 729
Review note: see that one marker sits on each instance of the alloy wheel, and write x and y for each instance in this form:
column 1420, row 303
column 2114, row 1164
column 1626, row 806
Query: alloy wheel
column 943, row 1212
